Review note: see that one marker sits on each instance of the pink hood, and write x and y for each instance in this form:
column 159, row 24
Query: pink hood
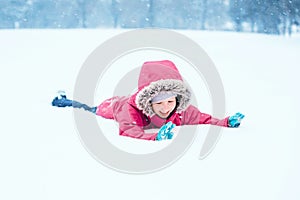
column 155, row 77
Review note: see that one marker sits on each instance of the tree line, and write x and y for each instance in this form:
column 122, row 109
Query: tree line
column 262, row 16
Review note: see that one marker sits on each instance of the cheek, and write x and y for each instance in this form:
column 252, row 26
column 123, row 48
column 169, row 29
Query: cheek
column 173, row 106
column 155, row 108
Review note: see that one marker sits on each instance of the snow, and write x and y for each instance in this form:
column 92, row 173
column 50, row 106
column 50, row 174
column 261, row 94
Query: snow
column 42, row 156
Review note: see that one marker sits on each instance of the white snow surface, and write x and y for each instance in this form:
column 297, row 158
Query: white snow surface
column 42, row 156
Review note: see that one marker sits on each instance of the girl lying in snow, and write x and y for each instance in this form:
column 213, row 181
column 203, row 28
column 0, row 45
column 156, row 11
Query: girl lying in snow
column 162, row 101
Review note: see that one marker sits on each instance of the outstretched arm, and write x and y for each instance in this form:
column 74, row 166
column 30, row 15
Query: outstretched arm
column 192, row 115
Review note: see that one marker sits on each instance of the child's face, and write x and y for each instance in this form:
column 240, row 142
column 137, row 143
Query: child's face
column 165, row 107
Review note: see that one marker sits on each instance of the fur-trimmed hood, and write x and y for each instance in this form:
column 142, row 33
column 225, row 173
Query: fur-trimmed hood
column 156, row 77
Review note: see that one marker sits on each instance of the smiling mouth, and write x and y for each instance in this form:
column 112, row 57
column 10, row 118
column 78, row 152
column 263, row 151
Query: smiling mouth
column 164, row 114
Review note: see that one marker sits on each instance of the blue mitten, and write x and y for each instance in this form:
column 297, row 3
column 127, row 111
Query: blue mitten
column 235, row 120
column 165, row 132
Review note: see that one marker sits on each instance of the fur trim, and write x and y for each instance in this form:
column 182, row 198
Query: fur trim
column 144, row 96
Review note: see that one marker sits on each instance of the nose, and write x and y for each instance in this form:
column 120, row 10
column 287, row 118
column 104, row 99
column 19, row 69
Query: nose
column 165, row 106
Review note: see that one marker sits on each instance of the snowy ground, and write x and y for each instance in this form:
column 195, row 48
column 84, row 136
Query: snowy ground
column 42, row 156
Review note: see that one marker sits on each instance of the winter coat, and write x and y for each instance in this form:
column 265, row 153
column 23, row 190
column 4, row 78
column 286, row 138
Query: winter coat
column 134, row 113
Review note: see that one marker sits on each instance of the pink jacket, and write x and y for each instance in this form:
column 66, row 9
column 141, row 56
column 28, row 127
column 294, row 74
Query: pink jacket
column 134, row 113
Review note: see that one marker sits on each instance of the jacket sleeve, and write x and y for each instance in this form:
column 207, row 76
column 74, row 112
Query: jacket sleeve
column 193, row 116
column 135, row 131
column 132, row 123
column 129, row 120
